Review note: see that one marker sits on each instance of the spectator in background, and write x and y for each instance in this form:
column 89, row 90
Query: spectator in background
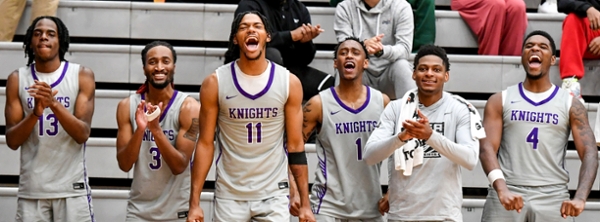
column 548, row 6
column 424, row 17
column 500, row 25
column 387, row 29
column 291, row 44
column 11, row 11
column 579, row 41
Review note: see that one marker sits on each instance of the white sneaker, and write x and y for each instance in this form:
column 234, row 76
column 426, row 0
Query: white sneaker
column 573, row 87
column 549, row 7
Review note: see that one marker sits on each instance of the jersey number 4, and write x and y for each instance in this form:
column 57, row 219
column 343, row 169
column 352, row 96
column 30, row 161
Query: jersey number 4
column 533, row 137
column 52, row 130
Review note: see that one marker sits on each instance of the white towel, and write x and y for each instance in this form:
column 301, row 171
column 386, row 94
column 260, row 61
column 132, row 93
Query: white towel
column 477, row 131
column 411, row 153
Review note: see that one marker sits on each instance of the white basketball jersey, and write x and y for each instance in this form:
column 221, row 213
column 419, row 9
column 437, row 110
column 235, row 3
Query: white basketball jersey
column 156, row 194
column 534, row 138
column 345, row 186
column 252, row 162
column 52, row 162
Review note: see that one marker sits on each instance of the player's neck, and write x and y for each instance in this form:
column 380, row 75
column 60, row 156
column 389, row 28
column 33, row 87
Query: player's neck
column 252, row 67
column 428, row 99
column 537, row 85
column 350, row 90
column 371, row 3
column 156, row 96
column 47, row 66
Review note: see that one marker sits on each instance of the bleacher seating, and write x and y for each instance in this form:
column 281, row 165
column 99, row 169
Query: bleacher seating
column 211, row 23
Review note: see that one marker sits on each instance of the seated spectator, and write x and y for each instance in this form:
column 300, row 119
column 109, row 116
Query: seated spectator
column 11, row 11
column 579, row 41
column 424, row 16
column 499, row 24
column 548, row 6
column 291, row 44
column 387, row 29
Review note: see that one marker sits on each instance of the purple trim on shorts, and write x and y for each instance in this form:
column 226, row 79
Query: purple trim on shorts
column 538, row 103
column 354, row 111
column 259, row 94
column 87, row 186
column 54, row 84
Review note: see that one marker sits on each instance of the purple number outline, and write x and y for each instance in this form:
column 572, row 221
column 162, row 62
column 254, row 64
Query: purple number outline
column 532, row 137
column 258, row 132
column 156, row 157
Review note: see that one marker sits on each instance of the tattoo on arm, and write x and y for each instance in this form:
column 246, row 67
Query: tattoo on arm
column 305, row 110
column 581, row 121
column 192, row 132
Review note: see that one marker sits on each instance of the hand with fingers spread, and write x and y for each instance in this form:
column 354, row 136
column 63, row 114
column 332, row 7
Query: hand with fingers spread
column 374, row 44
column 572, row 208
column 420, row 129
column 593, row 16
column 384, row 204
column 510, row 200
column 594, row 46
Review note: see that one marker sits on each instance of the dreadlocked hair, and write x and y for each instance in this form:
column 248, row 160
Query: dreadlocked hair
column 63, row 38
column 233, row 50
column 144, row 87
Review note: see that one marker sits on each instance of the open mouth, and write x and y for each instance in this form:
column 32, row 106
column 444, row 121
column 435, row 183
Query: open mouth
column 349, row 66
column 252, row 43
column 535, row 61
column 428, row 82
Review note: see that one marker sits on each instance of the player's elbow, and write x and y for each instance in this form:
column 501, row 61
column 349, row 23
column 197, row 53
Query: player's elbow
column 370, row 161
column 125, row 167
column 12, row 145
column 178, row 170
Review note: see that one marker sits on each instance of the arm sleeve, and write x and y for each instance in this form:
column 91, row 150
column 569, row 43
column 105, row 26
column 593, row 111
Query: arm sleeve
column 578, row 7
column 342, row 24
column 465, row 151
column 403, row 36
column 383, row 140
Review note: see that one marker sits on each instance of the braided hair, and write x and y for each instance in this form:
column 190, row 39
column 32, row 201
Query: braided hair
column 63, row 38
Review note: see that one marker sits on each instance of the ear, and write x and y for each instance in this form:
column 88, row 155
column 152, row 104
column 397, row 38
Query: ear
column 366, row 64
column 235, row 41
column 446, row 76
column 334, row 63
column 553, row 60
column 414, row 75
column 268, row 37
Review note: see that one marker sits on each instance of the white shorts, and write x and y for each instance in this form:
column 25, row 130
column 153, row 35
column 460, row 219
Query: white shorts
column 274, row 209
column 71, row 209
column 540, row 204
column 326, row 218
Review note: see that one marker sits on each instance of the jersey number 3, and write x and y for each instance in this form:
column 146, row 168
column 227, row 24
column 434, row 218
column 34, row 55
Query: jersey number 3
column 533, row 137
column 156, row 162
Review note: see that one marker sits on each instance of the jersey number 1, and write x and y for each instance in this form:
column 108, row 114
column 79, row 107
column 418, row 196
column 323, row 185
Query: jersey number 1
column 533, row 137
column 359, row 148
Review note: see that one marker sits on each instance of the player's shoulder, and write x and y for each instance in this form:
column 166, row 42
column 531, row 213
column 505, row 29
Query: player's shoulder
column 124, row 103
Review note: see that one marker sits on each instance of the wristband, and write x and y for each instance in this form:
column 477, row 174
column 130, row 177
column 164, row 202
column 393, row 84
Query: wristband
column 494, row 175
column 153, row 115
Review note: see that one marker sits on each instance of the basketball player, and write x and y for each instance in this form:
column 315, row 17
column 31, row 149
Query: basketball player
column 257, row 107
column 433, row 192
column 161, row 148
column 49, row 108
column 528, row 128
column 345, row 187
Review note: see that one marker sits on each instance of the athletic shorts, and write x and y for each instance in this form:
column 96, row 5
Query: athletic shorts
column 326, row 218
column 540, row 204
column 72, row 209
column 274, row 209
